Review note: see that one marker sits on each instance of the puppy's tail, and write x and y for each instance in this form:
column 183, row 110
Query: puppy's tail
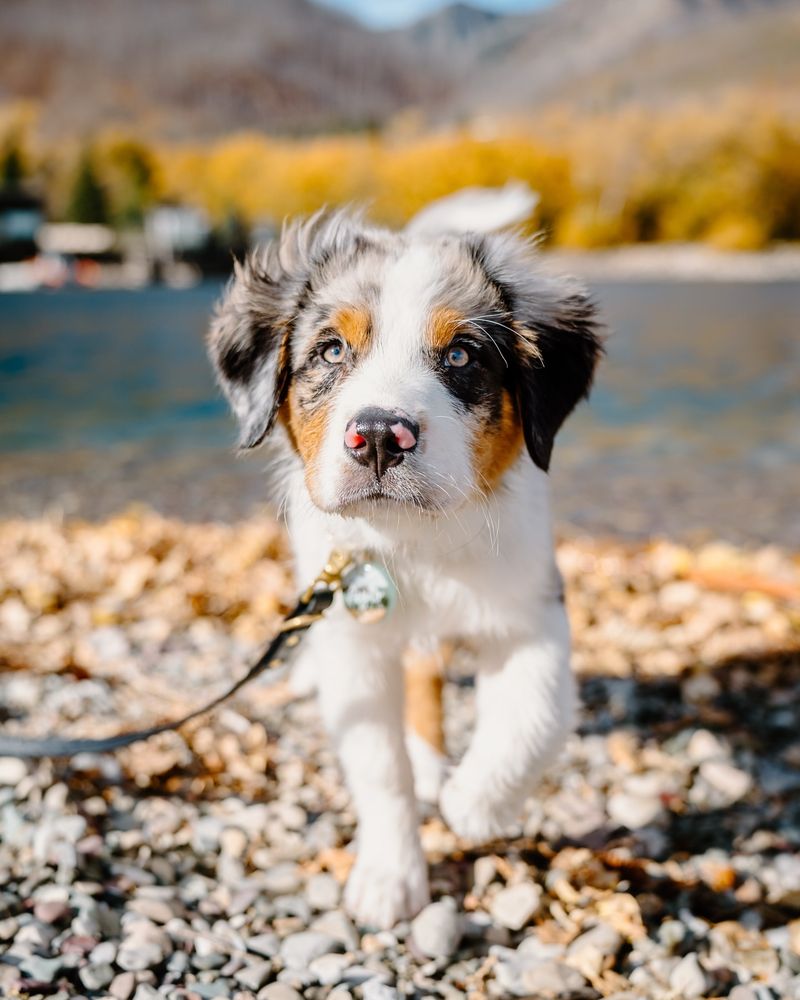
column 476, row 210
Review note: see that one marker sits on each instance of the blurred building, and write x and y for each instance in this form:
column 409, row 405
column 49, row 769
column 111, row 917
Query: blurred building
column 175, row 231
column 21, row 218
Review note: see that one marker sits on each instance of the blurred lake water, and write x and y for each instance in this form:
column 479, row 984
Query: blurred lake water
column 693, row 427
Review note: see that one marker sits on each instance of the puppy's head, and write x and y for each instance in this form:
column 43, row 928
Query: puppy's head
column 405, row 369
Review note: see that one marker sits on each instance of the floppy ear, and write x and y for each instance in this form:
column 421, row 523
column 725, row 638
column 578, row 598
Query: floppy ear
column 250, row 338
column 559, row 349
column 248, row 343
column 555, row 337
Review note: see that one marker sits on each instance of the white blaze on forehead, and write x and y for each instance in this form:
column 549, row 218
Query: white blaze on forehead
column 410, row 284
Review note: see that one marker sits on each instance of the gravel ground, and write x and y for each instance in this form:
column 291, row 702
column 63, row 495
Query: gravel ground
column 660, row 859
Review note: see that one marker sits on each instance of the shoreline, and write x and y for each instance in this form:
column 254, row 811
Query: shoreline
column 678, row 262
column 635, row 262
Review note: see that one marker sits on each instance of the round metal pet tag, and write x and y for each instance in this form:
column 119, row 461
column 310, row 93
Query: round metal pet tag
column 369, row 594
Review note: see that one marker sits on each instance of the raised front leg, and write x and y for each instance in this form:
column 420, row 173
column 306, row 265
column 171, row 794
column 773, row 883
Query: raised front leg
column 525, row 707
column 360, row 685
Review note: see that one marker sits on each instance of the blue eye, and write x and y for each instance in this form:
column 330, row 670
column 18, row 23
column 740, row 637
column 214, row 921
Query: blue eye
column 456, row 357
column 333, row 354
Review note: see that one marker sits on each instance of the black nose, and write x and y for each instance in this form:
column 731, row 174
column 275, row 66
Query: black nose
column 380, row 438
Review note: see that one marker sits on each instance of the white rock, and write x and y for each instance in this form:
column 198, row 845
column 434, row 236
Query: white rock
column 731, row 782
column 279, row 991
column 96, row 976
column 588, row 952
column 12, row 770
column 254, row 976
column 514, row 906
column 105, row 952
column 144, row 991
column 267, row 944
column 299, row 950
column 233, row 842
column 123, row 986
column 688, row 978
column 522, row 977
column 282, row 879
column 373, row 989
column 145, row 947
column 323, row 892
column 329, row 969
column 339, row 926
column 437, row 929
column 634, row 811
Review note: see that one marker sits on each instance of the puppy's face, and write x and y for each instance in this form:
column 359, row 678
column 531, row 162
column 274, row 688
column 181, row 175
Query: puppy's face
column 407, row 371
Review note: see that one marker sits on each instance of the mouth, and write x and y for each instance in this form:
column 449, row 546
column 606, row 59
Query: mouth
column 364, row 499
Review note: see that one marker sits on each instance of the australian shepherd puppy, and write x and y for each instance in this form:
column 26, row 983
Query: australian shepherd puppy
column 413, row 383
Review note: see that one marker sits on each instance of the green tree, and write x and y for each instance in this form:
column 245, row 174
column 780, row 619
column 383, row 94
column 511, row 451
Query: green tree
column 130, row 172
column 87, row 200
column 12, row 169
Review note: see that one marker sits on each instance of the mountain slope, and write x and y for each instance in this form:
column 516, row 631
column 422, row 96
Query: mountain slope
column 195, row 68
column 201, row 66
column 602, row 53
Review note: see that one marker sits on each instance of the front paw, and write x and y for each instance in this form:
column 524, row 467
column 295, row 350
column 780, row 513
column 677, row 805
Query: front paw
column 472, row 813
column 378, row 894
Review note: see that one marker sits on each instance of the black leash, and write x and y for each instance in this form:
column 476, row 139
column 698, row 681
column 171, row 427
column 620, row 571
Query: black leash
column 312, row 605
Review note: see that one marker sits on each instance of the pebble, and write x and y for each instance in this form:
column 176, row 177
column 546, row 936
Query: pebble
column 514, row 906
column 144, row 991
column 375, row 990
column 267, row 944
column 51, row 911
column 160, row 911
column 594, row 950
column 323, row 892
column 731, row 782
column 41, row 969
column 340, row 927
column 704, row 746
column 122, row 986
column 213, row 989
column 12, row 771
column 96, row 976
column 329, row 969
column 299, row 950
column 136, row 955
column 542, row 979
column 211, row 862
column 282, row 879
column 688, row 978
column 437, row 930
column 279, row 991
column 634, row 811
column 253, row 977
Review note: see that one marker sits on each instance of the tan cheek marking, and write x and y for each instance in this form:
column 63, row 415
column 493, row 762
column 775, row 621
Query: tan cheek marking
column 355, row 325
column 443, row 325
column 306, row 431
column 497, row 445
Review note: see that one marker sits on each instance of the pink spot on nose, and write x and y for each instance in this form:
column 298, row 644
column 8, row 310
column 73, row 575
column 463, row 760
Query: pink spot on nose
column 403, row 436
column 352, row 438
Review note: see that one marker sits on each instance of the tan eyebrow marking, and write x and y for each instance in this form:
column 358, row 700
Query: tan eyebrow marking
column 354, row 323
column 443, row 324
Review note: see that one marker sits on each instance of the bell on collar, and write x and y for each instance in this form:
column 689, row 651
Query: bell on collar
column 369, row 593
